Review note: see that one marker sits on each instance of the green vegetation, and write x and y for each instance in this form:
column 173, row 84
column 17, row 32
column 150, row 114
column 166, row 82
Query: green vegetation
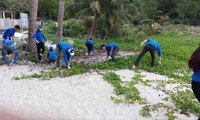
column 147, row 109
column 131, row 93
column 186, row 101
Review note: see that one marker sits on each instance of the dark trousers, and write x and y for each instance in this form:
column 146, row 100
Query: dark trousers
column 115, row 50
column 40, row 49
column 52, row 60
column 90, row 47
column 147, row 48
column 196, row 89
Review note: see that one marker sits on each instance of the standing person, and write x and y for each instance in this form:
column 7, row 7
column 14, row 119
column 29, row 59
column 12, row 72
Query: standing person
column 150, row 46
column 194, row 64
column 112, row 49
column 90, row 46
column 52, row 55
column 67, row 50
column 39, row 36
column 8, row 45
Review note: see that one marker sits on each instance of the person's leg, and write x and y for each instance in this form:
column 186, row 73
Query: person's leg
column 38, row 50
column 152, row 52
column 92, row 46
column 141, row 55
column 4, row 52
column 52, row 61
column 114, row 53
column 16, row 57
column 88, row 48
column 42, row 47
column 68, row 56
column 196, row 90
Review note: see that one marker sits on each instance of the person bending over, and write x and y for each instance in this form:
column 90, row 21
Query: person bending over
column 151, row 46
column 8, row 45
column 112, row 49
column 67, row 50
column 90, row 46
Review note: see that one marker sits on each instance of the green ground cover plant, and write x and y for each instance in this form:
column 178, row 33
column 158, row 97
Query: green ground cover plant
column 185, row 101
column 176, row 52
column 131, row 93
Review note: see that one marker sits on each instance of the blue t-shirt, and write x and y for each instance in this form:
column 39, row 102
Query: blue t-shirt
column 52, row 55
column 196, row 76
column 89, row 41
column 9, row 33
column 156, row 45
column 39, row 37
column 7, row 42
column 65, row 46
column 109, row 46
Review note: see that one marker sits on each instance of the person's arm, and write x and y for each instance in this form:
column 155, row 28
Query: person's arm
column 108, row 54
column 111, row 50
column 160, row 60
column 12, row 38
column 159, row 54
column 106, row 58
column 5, row 34
column 142, row 43
column 44, row 37
column 34, row 38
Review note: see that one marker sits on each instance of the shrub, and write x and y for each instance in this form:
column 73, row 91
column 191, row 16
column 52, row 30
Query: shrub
column 50, row 28
column 74, row 28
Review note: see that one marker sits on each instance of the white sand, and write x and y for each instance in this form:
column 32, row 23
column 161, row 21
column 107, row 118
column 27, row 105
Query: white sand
column 81, row 97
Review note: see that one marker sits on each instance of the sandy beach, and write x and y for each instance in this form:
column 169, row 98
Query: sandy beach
column 79, row 97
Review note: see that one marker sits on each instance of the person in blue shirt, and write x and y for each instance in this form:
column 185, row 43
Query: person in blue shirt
column 112, row 49
column 90, row 46
column 39, row 36
column 67, row 50
column 194, row 64
column 8, row 45
column 9, row 33
column 52, row 55
column 151, row 46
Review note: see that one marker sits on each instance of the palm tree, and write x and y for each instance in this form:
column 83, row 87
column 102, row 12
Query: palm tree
column 85, row 8
column 118, row 12
column 96, row 10
column 60, row 26
column 31, row 46
column 112, row 11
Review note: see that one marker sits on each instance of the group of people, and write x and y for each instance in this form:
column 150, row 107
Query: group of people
column 67, row 48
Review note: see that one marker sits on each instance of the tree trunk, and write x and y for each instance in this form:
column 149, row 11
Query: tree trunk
column 94, row 24
column 33, row 7
column 116, row 22
column 60, row 27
